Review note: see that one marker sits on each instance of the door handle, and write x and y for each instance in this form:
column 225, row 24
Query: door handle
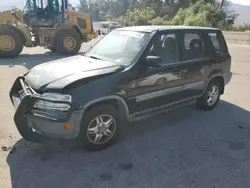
column 176, row 72
column 211, row 65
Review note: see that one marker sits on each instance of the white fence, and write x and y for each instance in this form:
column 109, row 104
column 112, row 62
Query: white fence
column 237, row 37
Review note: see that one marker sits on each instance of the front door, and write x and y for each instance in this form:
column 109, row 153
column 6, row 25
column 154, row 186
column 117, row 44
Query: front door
column 156, row 86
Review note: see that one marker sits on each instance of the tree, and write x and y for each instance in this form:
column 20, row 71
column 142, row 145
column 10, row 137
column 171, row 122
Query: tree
column 84, row 6
column 160, row 12
column 200, row 14
column 140, row 16
column 222, row 3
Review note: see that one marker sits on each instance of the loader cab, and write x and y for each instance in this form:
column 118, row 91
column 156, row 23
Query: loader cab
column 44, row 12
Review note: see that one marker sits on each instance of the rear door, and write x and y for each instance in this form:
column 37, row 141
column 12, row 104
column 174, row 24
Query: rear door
column 195, row 61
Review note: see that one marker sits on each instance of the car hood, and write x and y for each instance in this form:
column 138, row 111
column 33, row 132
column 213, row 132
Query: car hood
column 60, row 73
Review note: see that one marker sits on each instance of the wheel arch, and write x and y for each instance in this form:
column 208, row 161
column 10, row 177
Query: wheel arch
column 78, row 30
column 16, row 29
column 69, row 27
column 216, row 75
column 114, row 100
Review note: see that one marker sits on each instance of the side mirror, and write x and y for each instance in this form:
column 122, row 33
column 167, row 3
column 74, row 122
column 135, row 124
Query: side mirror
column 153, row 61
column 14, row 8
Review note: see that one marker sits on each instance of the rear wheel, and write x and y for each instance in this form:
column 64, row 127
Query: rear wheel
column 11, row 43
column 211, row 96
column 68, row 42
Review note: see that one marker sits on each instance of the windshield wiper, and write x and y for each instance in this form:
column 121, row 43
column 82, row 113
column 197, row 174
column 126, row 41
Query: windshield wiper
column 94, row 57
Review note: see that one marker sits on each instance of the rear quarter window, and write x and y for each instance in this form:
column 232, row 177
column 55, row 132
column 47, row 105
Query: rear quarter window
column 218, row 42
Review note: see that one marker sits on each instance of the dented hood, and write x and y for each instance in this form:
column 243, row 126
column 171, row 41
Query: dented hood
column 59, row 73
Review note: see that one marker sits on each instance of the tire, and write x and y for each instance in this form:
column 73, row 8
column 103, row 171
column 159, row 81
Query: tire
column 203, row 102
column 73, row 37
column 14, row 39
column 53, row 49
column 89, row 121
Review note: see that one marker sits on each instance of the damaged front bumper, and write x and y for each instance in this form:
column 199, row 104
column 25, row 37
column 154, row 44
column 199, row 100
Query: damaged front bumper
column 39, row 125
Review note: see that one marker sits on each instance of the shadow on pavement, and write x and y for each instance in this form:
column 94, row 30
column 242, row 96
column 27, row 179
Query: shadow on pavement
column 31, row 60
column 183, row 148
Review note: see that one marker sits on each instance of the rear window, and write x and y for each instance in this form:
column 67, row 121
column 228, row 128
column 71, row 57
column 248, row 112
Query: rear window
column 215, row 41
column 218, row 42
column 193, row 47
column 82, row 23
column 105, row 26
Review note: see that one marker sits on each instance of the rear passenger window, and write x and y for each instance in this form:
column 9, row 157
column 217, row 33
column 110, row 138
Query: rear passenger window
column 193, row 47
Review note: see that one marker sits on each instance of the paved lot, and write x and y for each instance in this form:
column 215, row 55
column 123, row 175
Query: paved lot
column 184, row 148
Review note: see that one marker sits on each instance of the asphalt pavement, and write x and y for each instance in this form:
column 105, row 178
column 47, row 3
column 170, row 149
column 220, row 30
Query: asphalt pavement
column 181, row 149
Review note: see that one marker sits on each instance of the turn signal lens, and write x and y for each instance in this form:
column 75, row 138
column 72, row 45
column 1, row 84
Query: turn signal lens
column 67, row 126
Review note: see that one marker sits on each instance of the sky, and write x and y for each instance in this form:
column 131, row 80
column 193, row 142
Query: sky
column 20, row 3
column 243, row 2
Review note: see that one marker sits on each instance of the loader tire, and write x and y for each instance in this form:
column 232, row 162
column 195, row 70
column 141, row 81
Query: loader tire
column 68, row 42
column 11, row 42
column 52, row 49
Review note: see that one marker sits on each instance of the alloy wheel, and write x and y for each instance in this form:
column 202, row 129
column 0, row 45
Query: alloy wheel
column 213, row 95
column 101, row 129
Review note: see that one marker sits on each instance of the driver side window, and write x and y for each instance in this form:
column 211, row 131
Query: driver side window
column 164, row 46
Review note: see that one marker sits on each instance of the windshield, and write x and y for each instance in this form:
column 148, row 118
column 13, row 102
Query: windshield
column 30, row 5
column 120, row 47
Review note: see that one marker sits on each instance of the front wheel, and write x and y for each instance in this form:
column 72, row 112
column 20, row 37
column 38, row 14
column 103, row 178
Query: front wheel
column 211, row 96
column 100, row 128
column 11, row 43
column 52, row 49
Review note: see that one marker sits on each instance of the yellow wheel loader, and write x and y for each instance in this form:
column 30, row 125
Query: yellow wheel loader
column 47, row 23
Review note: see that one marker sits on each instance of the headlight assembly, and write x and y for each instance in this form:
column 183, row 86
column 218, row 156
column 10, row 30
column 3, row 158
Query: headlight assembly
column 50, row 105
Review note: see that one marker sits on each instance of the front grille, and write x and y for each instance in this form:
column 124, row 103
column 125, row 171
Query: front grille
column 19, row 90
column 30, row 90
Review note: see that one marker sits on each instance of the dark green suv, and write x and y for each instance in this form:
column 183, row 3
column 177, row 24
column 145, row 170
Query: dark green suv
column 130, row 74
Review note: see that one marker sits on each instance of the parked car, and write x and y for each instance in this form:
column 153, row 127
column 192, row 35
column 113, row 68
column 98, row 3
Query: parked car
column 113, row 27
column 88, row 97
column 104, row 27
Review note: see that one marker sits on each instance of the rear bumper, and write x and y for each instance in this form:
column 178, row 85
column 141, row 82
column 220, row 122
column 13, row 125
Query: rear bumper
column 38, row 125
column 227, row 77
